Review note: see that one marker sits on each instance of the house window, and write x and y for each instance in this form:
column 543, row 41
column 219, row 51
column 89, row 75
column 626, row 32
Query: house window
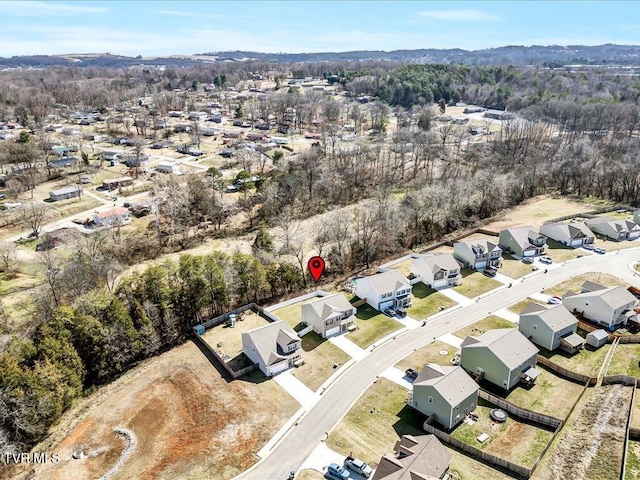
column 328, row 322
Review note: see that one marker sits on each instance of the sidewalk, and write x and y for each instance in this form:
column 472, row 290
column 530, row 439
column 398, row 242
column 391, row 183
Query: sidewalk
column 451, row 339
column 397, row 376
column 456, row 297
column 508, row 315
column 348, row 347
column 298, row 390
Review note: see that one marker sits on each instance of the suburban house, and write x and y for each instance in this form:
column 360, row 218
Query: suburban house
column 385, row 290
column 437, row 271
column 617, row 230
column 523, row 241
column 415, row 458
column 274, row 347
column 110, row 156
column 503, row 357
column 113, row 183
column 477, row 254
column 141, row 160
column 65, row 193
column 446, row 393
column 112, row 217
column 329, row 315
column 167, row 167
column 608, row 307
column 574, row 234
column 550, row 327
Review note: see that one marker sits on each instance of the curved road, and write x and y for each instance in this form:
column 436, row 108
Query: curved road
column 301, row 440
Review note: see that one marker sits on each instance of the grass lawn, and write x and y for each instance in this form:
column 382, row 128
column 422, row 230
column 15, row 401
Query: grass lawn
column 375, row 423
column 372, row 325
column 586, row 362
column 561, row 253
column 478, row 328
column 612, row 245
column 575, row 283
column 427, row 301
column 403, row 267
column 475, row 283
column 292, row 315
column 519, row 307
column 310, row 475
column 319, row 358
column 229, row 340
column 550, row 395
column 512, row 267
column 625, row 360
column 428, row 354
column 469, row 469
column 632, row 471
column 512, row 440
column 617, row 216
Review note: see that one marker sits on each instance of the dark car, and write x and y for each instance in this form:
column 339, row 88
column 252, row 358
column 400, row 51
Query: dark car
column 490, row 271
column 390, row 312
column 402, row 312
column 411, row 373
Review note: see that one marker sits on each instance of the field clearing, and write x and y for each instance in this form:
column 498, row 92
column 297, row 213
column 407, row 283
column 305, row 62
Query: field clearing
column 292, row 314
column 488, row 323
column 320, row 356
column 574, row 284
column 428, row 354
column 561, row 253
column 188, row 420
column 515, row 441
column 550, row 395
column 372, row 326
column 587, row 361
column 427, row 301
column 625, row 360
column 474, row 283
column 228, row 339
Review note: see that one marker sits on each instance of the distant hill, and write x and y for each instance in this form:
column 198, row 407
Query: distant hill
column 557, row 56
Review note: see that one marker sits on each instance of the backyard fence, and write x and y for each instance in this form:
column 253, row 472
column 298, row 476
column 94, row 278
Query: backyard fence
column 628, row 338
column 623, row 470
column 213, row 354
column 538, row 419
column 592, row 213
column 568, row 374
column 625, row 380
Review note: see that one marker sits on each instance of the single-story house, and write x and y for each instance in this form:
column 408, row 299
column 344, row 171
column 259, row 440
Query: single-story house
column 420, row 457
column 597, row 338
column 141, row 160
column 617, row 230
column 446, row 393
column 608, row 307
column 167, row 167
column 385, row 290
column 550, row 327
column 477, row 254
column 437, row 271
column 573, row 234
column 503, row 357
column 112, row 217
column 329, row 315
column 274, row 347
column 113, row 183
column 499, row 115
column 65, row 193
column 523, row 241
column 110, row 156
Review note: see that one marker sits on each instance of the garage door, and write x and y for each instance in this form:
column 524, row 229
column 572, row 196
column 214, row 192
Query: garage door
column 333, row 331
column 481, row 265
column 278, row 367
column 634, row 234
column 385, row 305
column 440, row 283
column 529, row 253
column 576, row 242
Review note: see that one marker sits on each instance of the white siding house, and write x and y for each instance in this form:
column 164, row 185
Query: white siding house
column 385, row 290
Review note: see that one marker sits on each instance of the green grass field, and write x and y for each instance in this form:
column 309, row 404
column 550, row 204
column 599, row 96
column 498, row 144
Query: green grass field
column 427, row 301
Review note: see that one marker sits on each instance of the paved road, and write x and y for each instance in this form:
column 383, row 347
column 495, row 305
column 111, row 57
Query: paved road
column 298, row 444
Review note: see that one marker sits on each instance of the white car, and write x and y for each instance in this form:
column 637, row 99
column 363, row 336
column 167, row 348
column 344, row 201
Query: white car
column 546, row 259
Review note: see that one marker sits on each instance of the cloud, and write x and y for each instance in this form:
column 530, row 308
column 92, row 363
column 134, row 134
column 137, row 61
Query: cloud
column 466, row 15
column 36, row 9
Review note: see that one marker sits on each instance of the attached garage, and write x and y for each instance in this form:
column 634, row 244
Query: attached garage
column 333, row 331
column 384, row 305
column 529, row 253
column 576, row 242
column 634, row 234
column 440, row 283
column 278, row 367
column 481, row 265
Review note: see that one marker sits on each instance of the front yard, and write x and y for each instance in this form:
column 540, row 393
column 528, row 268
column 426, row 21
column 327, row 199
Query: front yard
column 512, row 267
column 430, row 353
column 488, row 323
column 586, row 362
column 372, row 326
column 427, row 301
column 520, row 306
column 561, row 253
column 475, row 283
column 514, row 441
column 574, row 284
column 320, row 356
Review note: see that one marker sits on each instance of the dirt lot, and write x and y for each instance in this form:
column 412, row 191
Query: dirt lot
column 575, row 283
column 478, row 328
column 320, row 356
column 589, row 447
column 475, row 283
column 188, row 421
column 427, row 301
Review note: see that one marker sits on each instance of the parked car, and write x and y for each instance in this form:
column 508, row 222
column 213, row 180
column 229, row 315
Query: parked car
column 358, row 466
column 411, row 373
column 600, row 250
column 490, row 271
column 588, row 246
column 390, row 312
column 546, row 259
column 553, row 301
column 402, row 312
column 527, row 260
column 336, row 471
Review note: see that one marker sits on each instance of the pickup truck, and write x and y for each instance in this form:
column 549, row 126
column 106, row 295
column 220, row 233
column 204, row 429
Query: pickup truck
column 358, row 466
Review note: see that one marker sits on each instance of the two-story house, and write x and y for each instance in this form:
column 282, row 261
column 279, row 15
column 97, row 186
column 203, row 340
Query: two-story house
column 385, row 290
column 329, row 315
column 550, row 327
column 437, row 271
column 274, row 347
column 522, row 241
column 609, row 307
column 617, row 230
column 478, row 254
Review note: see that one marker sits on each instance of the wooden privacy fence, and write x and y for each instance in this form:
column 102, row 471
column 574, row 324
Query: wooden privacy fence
column 212, row 353
column 623, row 470
column 592, row 213
column 568, row 374
column 625, row 380
column 539, row 419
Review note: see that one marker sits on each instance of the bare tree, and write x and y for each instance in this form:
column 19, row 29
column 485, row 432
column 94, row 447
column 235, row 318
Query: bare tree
column 35, row 215
column 7, row 254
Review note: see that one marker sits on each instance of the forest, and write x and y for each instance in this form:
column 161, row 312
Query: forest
column 576, row 134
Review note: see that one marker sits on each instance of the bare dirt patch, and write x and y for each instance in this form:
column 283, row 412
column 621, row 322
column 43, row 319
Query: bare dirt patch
column 186, row 417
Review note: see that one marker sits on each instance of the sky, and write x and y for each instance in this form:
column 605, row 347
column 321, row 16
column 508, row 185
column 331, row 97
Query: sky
column 150, row 28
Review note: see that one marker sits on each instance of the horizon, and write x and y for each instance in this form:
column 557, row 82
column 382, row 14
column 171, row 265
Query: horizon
column 192, row 28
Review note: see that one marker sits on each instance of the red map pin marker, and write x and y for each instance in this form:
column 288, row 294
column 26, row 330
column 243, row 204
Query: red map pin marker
column 316, row 267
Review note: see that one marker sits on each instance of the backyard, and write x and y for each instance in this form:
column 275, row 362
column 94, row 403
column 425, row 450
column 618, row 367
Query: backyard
column 488, row 323
column 292, row 314
column 320, row 357
column 427, row 301
column 371, row 326
column 430, row 353
column 514, row 441
column 574, row 284
column 228, row 339
column 475, row 283
column 587, row 361
column 625, row 360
